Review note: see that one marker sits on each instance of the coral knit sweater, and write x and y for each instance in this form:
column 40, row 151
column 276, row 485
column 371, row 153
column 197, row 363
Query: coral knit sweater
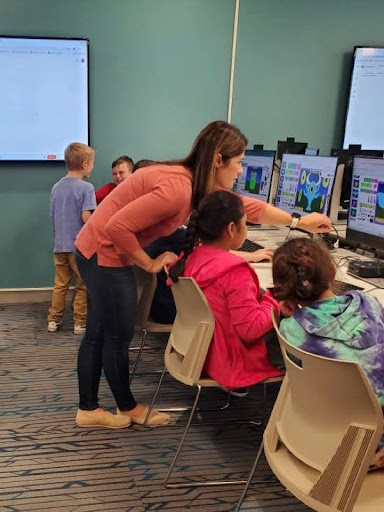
column 237, row 356
column 153, row 202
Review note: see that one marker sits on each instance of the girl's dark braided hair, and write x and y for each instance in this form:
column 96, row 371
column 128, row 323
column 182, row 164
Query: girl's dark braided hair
column 207, row 224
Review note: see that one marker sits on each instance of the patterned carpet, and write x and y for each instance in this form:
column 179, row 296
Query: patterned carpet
column 48, row 464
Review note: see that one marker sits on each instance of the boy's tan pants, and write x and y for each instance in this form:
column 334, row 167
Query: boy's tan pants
column 65, row 266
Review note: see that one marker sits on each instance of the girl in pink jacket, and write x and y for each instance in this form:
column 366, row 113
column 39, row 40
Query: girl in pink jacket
column 237, row 356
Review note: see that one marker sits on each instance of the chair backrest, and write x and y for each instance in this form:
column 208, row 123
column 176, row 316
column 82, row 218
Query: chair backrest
column 146, row 283
column 328, row 417
column 191, row 334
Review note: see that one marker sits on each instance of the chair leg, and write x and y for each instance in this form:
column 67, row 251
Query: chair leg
column 265, row 389
column 188, row 408
column 140, row 347
column 166, row 484
column 154, row 397
column 138, row 357
column 194, row 484
column 260, row 451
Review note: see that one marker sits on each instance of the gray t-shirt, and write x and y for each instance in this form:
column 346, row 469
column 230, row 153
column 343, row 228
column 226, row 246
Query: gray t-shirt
column 69, row 198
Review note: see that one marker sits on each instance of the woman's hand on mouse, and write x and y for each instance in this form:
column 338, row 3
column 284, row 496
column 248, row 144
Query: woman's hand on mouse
column 315, row 223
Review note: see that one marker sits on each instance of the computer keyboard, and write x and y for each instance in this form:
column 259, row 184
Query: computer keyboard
column 261, row 227
column 342, row 287
column 249, row 246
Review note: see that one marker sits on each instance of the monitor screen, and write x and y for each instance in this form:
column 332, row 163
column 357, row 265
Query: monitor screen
column 365, row 113
column 305, row 183
column 366, row 211
column 345, row 156
column 255, row 180
column 312, row 151
column 43, row 97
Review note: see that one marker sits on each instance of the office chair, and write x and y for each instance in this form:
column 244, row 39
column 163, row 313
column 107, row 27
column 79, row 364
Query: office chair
column 323, row 432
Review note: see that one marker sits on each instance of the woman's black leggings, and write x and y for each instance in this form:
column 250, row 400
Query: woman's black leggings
column 111, row 303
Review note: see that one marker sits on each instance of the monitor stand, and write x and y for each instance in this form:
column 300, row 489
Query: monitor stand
column 334, row 208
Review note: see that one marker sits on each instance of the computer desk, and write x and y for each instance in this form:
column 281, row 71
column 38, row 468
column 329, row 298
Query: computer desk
column 270, row 239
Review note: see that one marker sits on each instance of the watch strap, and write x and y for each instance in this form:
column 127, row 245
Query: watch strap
column 294, row 221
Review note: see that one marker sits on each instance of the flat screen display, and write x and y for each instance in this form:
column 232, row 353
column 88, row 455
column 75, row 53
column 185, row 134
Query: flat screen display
column 43, row 97
column 366, row 210
column 255, row 180
column 305, row 183
column 365, row 114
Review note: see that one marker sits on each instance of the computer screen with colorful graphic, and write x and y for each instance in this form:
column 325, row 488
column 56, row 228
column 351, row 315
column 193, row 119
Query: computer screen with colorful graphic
column 305, row 183
column 366, row 211
column 255, row 180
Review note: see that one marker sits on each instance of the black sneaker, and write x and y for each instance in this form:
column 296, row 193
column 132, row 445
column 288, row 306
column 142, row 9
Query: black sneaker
column 240, row 392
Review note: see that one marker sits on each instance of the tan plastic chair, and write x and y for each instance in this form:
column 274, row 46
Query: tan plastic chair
column 323, row 433
column 146, row 286
column 185, row 355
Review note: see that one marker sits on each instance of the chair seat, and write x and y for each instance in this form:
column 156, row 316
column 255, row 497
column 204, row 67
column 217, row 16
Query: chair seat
column 209, row 383
column 155, row 327
column 283, row 463
column 174, row 365
column 371, row 496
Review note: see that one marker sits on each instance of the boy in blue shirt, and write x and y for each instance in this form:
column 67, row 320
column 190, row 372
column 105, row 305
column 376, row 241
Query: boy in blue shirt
column 71, row 204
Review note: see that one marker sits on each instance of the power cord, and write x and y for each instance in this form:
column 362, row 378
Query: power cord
column 342, row 260
column 372, row 289
column 336, row 245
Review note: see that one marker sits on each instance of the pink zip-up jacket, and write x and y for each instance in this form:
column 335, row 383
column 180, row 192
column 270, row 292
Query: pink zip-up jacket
column 237, row 356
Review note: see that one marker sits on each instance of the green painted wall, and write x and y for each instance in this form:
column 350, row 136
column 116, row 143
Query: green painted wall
column 293, row 66
column 158, row 73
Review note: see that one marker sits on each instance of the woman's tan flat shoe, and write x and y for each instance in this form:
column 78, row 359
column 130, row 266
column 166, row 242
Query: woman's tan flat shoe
column 156, row 418
column 99, row 418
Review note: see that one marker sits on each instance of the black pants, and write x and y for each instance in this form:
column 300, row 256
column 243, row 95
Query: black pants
column 273, row 349
column 111, row 303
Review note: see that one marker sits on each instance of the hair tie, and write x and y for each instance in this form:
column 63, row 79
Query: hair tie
column 302, row 278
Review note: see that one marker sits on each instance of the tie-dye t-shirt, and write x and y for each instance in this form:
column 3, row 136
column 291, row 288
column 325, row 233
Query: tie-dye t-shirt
column 349, row 327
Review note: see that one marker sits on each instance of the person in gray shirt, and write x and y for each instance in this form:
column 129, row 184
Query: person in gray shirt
column 71, row 204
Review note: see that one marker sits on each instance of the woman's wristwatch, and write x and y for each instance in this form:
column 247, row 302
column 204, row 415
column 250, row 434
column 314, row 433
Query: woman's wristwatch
column 295, row 220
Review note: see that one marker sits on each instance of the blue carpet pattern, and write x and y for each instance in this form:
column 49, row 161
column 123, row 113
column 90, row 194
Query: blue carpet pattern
column 48, row 464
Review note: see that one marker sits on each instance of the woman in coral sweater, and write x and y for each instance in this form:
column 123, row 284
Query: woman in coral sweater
column 152, row 203
column 237, row 356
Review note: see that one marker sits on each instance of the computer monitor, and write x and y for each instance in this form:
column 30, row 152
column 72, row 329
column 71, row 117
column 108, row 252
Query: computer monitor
column 365, row 112
column 345, row 156
column 255, row 180
column 305, row 183
column 290, row 146
column 312, row 151
column 366, row 211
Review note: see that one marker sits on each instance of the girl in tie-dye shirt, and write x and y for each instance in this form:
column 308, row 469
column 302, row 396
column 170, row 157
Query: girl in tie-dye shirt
column 346, row 327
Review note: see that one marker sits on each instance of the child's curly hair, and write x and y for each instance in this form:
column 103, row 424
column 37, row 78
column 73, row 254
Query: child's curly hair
column 302, row 270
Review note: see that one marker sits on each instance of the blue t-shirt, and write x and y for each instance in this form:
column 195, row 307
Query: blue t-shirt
column 69, row 198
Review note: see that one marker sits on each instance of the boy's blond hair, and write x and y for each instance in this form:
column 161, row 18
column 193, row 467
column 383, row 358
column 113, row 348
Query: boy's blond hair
column 77, row 153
